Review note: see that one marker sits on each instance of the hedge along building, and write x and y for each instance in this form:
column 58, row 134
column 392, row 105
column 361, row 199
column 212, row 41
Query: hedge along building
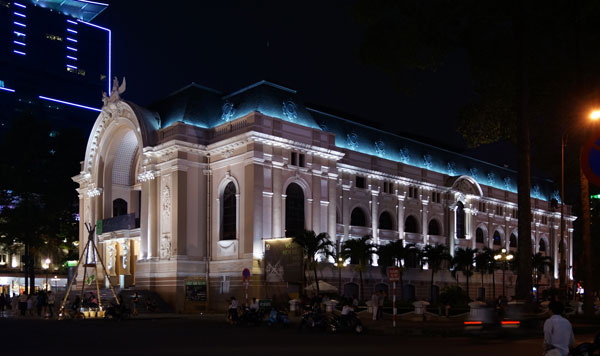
column 193, row 187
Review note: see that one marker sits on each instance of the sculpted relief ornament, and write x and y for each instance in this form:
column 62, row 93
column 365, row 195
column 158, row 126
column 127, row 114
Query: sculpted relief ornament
column 165, row 247
column 166, row 201
column 115, row 92
column 111, row 251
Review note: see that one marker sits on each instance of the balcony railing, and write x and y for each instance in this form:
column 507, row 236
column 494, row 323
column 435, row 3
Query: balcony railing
column 121, row 222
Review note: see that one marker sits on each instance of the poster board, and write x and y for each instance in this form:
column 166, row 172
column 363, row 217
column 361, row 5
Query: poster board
column 283, row 261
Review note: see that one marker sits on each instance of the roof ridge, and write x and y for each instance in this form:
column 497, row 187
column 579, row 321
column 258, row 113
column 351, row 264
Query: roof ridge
column 193, row 85
column 259, row 83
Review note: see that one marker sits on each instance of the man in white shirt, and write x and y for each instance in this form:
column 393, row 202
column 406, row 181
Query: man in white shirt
column 558, row 333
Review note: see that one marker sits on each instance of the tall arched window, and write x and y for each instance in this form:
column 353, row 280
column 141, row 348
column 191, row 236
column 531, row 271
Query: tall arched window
column 513, row 241
column 479, row 238
column 460, row 220
column 119, row 207
column 411, row 225
column 497, row 239
column 434, row 227
column 228, row 222
column 542, row 246
column 385, row 221
column 358, row 218
column 294, row 210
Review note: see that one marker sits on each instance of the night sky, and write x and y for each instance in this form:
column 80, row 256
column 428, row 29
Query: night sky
column 161, row 46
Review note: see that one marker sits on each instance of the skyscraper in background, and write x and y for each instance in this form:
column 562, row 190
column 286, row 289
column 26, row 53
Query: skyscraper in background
column 53, row 60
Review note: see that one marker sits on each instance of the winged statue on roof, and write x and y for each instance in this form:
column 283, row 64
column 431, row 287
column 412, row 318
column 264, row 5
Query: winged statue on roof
column 115, row 92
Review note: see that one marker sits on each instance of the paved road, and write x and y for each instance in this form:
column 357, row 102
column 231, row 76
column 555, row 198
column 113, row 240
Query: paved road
column 209, row 337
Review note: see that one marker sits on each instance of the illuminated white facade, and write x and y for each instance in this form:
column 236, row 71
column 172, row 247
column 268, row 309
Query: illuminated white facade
column 206, row 194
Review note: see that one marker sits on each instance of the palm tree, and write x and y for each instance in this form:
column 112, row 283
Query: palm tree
column 392, row 255
column 484, row 263
column 335, row 252
column 433, row 256
column 539, row 263
column 360, row 251
column 312, row 245
column 463, row 261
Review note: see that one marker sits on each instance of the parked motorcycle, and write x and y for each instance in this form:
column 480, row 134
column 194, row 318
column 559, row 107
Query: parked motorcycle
column 314, row 320
column 250, row 317
column 587, row 348
column 278, row 317
column 349, row 322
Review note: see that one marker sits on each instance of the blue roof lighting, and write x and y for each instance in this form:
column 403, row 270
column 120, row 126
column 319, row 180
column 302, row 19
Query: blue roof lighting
column 19, row 24
column 7, row 89
column 19, row 43
column 72, row 49
column 19, row 5
column 78, row 9
column 71, row 39
column 72, row 22
column 73, row 58
column 19, row 33
column 19, row 52
column 69, row 103
column 19, row 14
column 71, row 30
column 70, row 66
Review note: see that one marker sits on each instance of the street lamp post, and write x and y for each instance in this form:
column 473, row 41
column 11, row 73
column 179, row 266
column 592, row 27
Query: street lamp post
column 504, row 258
column 562, row 266
column 45, row 266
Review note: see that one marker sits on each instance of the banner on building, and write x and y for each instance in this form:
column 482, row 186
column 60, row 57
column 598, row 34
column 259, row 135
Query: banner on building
column 283, row 261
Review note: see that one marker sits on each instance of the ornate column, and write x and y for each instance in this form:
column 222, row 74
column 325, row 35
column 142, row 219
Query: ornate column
column 278, row 202
column 569, row 266
column 452, row 227
column 346, row 211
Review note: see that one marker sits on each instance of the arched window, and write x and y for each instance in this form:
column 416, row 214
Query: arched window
column 542, row 246
column 385, row 221
column 410, row 225
column 294, row 210
column 513, row 241
column 460, row 220
column 358, row 218
column 119, row 207
column 228, row 222
column 497, row 239
column 479, row 238
column 434, row 227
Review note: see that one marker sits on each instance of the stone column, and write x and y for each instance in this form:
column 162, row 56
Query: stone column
column 452, row 227
column 316, row 205
column 424, row 218
column 179, row 209
column 374, row 216
column 555, row 240
column 346, row 212
column 278, row 203
column 569, row 241
column 400, row 215
column 144, row 220
column 332, row 208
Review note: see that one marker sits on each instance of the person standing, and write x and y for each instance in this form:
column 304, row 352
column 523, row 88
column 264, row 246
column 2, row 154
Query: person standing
column 558, row 332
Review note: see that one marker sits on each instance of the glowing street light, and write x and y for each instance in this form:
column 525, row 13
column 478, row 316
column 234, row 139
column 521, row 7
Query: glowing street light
column 45, row 266
column 595, row 115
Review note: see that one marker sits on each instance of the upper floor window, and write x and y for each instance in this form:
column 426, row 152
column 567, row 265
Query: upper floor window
column 482, row 206
column 297, row 159
column 435, row 197
column 119, row 207
column 413, row 192
column 497, row 239
column 411, row 225
column 515, row 213
column 388, row 187
column 434, row 227
column 544, row 219
column 499, row 210
column 360, row 182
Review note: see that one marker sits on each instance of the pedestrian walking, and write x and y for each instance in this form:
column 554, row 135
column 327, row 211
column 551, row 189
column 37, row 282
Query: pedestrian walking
column 375, row 304
column 30, row 305
column 51, row 301
column 558, row 332
column 2, row 303
column 380, row 301
column 23, row 303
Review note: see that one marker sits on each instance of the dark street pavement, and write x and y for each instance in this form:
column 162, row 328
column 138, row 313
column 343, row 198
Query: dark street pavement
column 195, row 336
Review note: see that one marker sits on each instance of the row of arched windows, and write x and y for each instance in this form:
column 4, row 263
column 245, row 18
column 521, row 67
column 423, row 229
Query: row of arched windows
column 480, row 238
